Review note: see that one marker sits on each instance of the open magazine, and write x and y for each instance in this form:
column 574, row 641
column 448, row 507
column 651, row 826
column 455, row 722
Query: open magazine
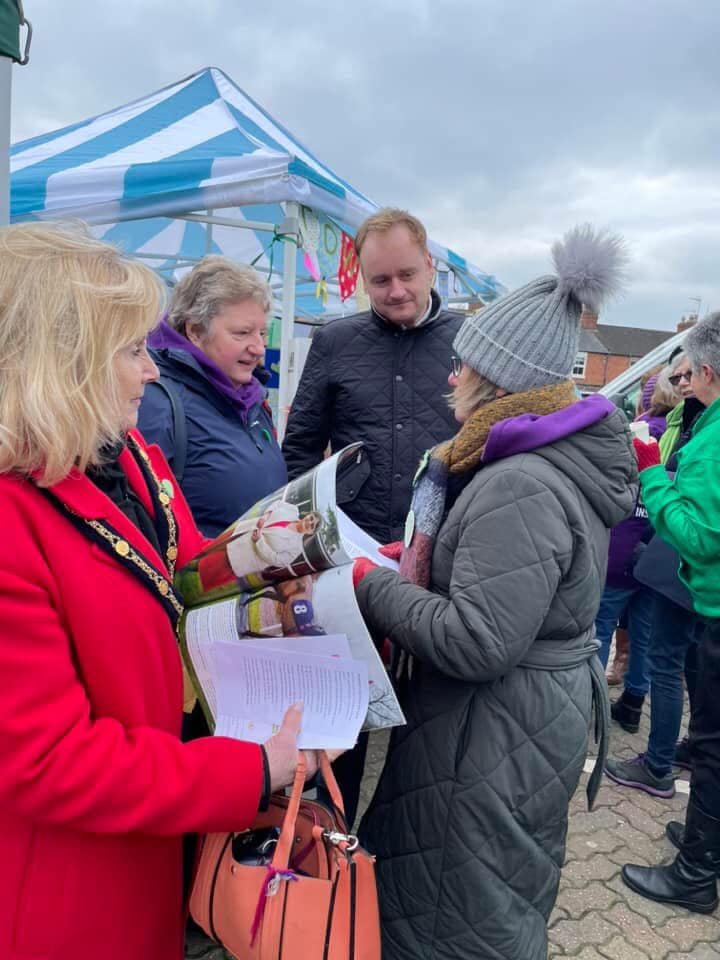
column 284, row 570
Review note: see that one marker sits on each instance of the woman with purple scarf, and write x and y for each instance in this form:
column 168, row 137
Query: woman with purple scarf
column 209, row 413
column 491, row 624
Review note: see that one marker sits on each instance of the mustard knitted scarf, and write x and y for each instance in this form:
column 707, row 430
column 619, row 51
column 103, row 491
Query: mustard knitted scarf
column 457, row 456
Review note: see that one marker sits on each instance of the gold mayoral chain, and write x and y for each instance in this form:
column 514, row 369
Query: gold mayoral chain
column 123, row 549
column 118, row 545
column 164, row 500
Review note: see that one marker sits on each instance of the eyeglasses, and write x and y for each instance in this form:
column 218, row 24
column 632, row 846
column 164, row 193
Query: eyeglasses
column 456, row 365
column 677, row 377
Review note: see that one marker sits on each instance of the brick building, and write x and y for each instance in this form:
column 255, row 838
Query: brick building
column 606, row 350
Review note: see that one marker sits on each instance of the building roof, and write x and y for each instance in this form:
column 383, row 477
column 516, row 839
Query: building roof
column 628, row 341
column 589, row 342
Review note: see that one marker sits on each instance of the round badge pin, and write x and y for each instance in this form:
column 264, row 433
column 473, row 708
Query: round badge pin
column 409, row 527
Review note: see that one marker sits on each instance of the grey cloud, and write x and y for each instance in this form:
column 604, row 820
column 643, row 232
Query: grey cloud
column 501, row 122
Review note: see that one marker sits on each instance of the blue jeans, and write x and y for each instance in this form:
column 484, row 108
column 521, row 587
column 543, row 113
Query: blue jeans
column 674, row 631
column 638, row 603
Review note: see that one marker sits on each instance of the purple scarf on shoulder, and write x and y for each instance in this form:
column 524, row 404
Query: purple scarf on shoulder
column 242, row 398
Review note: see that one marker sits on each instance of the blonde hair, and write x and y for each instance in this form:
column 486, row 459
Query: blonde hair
column 385, row 220
column 68, row 304
column 471, row 392
column 664, row 396
column 212, row 284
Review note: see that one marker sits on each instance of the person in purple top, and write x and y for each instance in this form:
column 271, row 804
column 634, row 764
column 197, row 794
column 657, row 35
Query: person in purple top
column 623, row 595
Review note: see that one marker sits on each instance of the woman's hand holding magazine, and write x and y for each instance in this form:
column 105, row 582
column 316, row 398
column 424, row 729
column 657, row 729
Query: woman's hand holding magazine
column 282, row 751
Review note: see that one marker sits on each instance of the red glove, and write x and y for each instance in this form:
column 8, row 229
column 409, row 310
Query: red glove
column 360, row 567
column 392, row 550
column 648, row 454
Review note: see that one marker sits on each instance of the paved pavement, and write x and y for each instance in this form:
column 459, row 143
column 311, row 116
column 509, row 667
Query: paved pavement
column 596, row 916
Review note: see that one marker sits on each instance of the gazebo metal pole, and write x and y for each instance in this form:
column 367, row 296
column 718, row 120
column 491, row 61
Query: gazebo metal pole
column 290, row 229
column 5, row 97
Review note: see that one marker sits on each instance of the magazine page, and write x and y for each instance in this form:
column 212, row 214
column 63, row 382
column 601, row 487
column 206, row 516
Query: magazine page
column 256, row 683
column 291, row 533
column 313, row 605
column 357, row 543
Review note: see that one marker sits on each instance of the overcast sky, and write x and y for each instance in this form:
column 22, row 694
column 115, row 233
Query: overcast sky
column 500, row 123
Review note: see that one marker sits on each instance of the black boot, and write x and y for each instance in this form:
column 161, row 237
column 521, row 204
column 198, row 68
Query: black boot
column 675, row 831
column 627, row 710
column 690, row 881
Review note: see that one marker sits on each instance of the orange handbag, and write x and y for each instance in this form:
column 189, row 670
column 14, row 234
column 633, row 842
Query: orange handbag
column 296, row 886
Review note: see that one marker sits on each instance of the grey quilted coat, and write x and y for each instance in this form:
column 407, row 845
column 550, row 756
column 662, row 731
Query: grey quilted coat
column 367, row 379
column 470, row 817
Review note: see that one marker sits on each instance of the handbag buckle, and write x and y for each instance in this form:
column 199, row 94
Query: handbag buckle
column 336, row 838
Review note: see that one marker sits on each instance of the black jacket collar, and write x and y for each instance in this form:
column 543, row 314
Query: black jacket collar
column 435, row 310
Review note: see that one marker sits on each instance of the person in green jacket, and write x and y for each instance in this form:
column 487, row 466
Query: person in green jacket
column 686, row 513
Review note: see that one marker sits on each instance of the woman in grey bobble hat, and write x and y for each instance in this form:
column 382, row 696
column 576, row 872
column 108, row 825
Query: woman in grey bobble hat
column 491, row 622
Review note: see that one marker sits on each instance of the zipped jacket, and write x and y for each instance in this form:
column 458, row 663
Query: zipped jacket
column 229, row 464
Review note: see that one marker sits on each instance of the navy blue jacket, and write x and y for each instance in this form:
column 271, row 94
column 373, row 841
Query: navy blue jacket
column 229, row 465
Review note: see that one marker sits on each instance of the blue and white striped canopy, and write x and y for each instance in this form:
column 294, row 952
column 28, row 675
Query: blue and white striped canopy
column 202, row 145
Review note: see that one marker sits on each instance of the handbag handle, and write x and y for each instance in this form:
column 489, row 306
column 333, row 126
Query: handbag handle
column 283, row 849
column 331, row 783
column 281, row 857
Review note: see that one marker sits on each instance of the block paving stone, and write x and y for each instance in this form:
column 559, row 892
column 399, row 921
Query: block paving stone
column 619, row 949
column 701, row 951
column 637, row 931
column 590, row 929
column 687, row 930
column 595, row 896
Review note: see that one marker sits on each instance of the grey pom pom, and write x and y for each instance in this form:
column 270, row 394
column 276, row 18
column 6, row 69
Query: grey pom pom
column 591, row 264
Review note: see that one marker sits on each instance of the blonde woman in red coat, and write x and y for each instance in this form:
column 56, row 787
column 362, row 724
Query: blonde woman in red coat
column 96, row 787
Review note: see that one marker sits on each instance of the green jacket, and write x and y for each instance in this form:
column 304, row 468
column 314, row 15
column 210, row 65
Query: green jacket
column 686, row 512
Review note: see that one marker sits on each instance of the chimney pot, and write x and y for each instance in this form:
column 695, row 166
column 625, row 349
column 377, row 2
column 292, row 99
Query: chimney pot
column 588, row 319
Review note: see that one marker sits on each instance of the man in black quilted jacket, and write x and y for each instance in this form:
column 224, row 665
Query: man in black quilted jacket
column 379, row 376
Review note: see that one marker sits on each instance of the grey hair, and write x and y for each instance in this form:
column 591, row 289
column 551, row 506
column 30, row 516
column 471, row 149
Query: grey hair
column 702, row 344
column 211, row 285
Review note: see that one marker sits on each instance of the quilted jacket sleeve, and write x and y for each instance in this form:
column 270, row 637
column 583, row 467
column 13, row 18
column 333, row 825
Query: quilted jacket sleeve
column 685, row 516
column 308, row 428
column 513, row 545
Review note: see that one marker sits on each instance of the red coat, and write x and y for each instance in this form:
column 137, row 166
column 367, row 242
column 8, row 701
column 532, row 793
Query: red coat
column 96, row 788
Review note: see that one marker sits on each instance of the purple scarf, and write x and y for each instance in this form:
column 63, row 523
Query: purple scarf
column 243, row 398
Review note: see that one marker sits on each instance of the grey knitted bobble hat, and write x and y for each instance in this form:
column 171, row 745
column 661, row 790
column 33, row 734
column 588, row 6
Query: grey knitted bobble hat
column 529, row 338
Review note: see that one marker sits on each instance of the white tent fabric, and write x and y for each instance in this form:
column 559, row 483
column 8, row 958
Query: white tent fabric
column 202, row 145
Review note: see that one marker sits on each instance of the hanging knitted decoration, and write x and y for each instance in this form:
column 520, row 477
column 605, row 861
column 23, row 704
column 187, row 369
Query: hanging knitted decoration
column 309, row 240
column 328, row 252
column 348, row 269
